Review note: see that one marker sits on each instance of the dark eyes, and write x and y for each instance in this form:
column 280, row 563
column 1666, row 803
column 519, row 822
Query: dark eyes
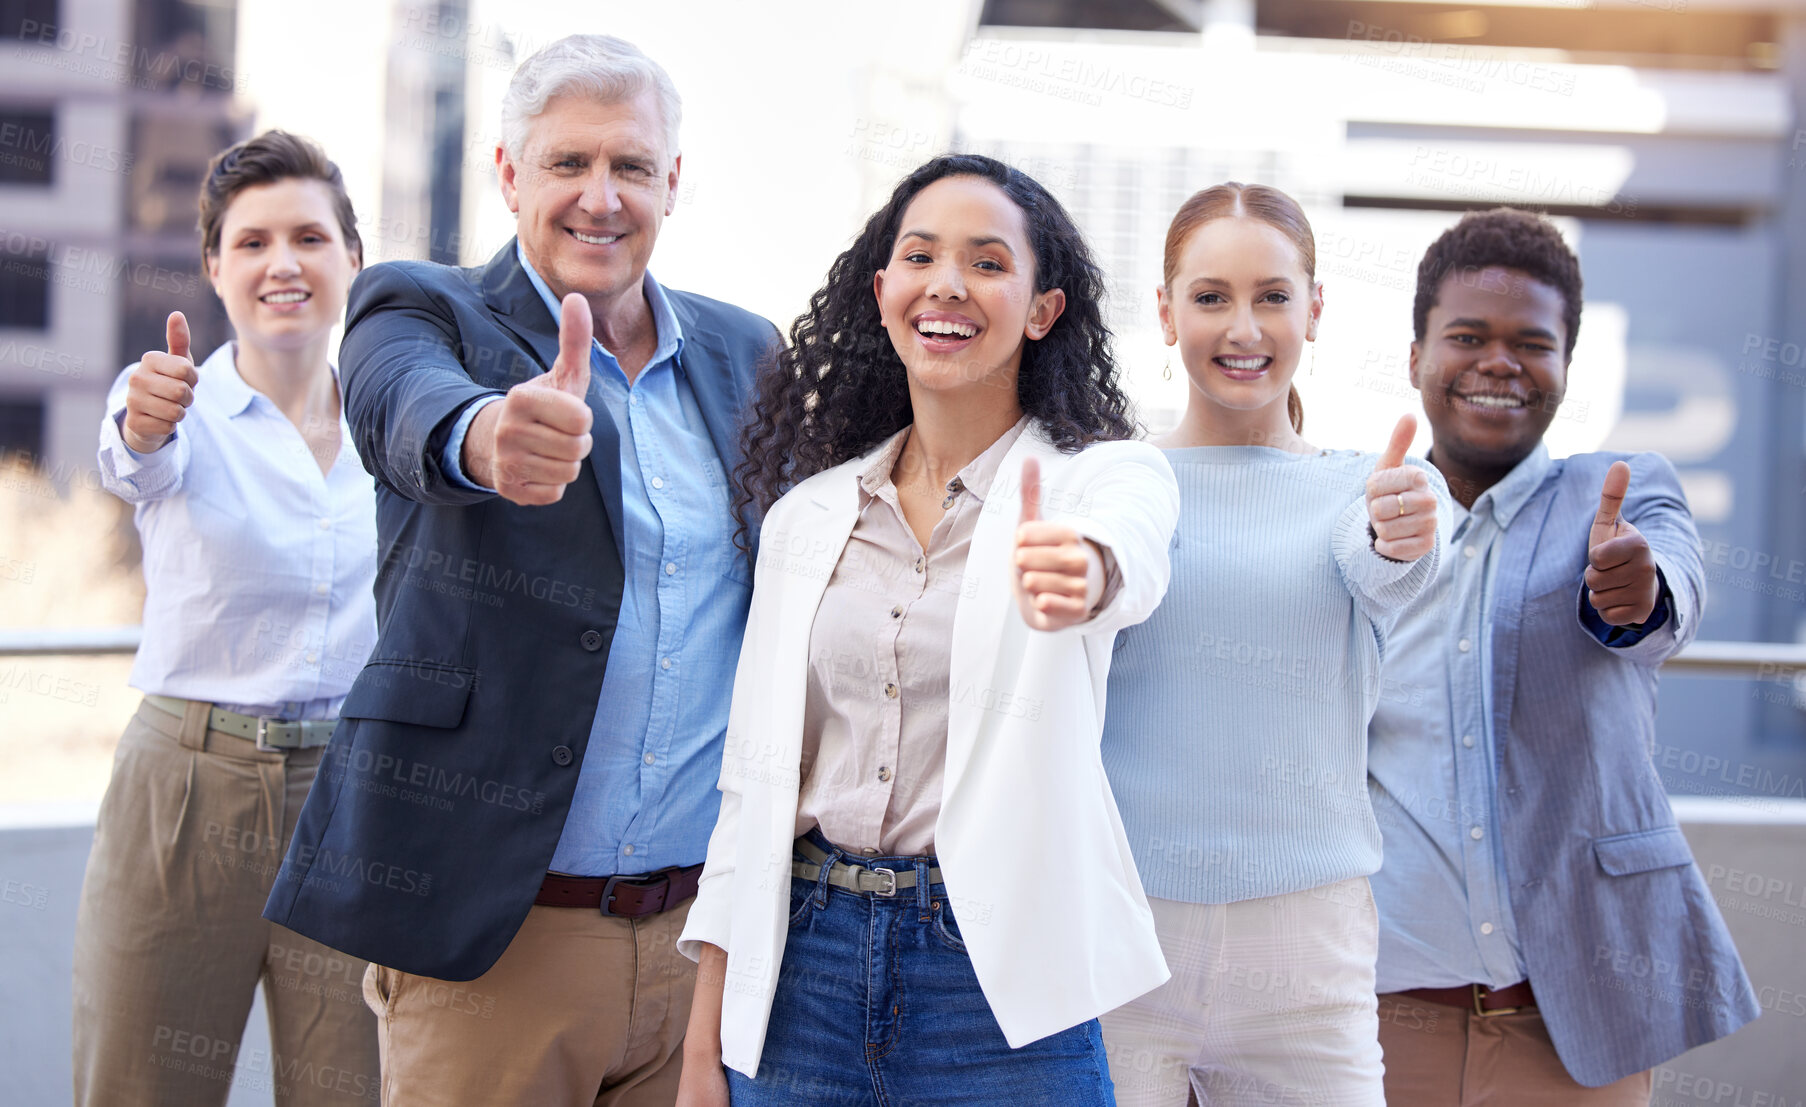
column 1212, row 299
column 919, row 257
column 1477, row 340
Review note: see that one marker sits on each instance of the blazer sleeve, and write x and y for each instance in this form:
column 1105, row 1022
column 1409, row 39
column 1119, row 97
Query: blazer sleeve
column 405, row 384
column 1657, row 507
column 1130, row 507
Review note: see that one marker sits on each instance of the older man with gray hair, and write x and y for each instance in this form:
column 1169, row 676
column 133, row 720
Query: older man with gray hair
column 512, row 815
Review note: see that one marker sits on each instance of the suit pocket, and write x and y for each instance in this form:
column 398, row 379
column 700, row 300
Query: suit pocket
column 420, row 693
column 1643, row 851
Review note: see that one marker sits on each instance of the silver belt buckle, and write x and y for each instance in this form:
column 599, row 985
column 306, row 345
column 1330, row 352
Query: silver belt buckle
column 890, row 876
column 263, row 730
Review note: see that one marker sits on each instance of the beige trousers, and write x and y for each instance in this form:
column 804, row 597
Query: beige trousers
column 1439, row 1056
column 580, row 1010
column 170, row 939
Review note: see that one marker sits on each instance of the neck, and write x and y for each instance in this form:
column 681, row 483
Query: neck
column 1467, row 480
column 624, row 322
column 953, row 428
column 298, row 381
column 1207, row 423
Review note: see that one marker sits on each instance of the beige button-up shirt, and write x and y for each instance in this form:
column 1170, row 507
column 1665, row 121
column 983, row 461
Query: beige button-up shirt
column 875, row 725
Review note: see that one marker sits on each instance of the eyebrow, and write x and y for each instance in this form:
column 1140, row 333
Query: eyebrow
column 1482, row 325
column 1221, row 283
column 264, row 230
column 975, row 240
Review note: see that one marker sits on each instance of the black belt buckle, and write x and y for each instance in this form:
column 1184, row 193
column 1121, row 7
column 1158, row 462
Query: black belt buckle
column 660, row 879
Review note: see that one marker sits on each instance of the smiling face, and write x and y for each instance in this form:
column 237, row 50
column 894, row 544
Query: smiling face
column 958, row 295
column 283, row 268
column 591, row 188
column 1240, row 308
column 1492, row 367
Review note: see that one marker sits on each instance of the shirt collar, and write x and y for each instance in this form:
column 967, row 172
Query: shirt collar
column 1510, row 495
column 664, row 320
column 221, row 384
column 976, row 477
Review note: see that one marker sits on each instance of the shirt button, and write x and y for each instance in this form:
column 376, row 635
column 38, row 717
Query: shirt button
column 1467, row 740
column 1464, row 645
column 325, row 524
column 1486, row 928
column 670, row 568
column 313, row 658
column 628, row 850
column 649, row 759
column 658, row 482
column 883, row 773
column 665, row 663
column 896, row 612
column 561, row 755
column 1476, row 834
column 322, row 588
column 890, row 690
column 1467, row 551
column 919, row 565
column 590, row 640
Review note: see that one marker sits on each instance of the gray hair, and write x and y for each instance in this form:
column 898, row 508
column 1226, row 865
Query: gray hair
column 602, row 66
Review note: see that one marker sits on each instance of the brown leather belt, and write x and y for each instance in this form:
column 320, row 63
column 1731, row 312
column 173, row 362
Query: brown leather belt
column 627, row 897
column 1478, row 998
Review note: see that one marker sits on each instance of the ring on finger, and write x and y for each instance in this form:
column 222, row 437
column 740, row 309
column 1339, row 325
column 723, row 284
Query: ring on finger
column 1402, row 510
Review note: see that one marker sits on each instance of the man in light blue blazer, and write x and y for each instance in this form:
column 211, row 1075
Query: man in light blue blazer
column 1545, row 935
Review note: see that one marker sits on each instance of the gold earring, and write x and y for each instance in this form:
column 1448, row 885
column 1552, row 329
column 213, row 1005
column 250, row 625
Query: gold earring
column 1313, row 369
column 1166, row 371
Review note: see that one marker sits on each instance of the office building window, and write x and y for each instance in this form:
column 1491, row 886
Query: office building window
column 24, row 284
column 27, row 145
column 21, row 428
column 28, row 20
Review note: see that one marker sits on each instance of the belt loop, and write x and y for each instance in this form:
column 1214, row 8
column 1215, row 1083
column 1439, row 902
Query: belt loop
column 922, row 896
column 194, row 724
column 827, row 870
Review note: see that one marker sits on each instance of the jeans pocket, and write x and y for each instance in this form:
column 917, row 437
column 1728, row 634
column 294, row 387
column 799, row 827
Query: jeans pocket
column 802, row 898
column 946, row 927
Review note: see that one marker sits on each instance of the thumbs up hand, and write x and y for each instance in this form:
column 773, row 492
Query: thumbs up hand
column 159, row 391
column 1059, row 575
column 1401, row 509
column 1621, row 578
column 532, row 443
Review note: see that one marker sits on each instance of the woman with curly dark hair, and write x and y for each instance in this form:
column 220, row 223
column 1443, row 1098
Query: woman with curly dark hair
column 914, row 731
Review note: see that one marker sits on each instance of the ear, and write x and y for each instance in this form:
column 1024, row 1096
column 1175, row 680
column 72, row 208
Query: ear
column 1044, row 312
column 505, row 171
column 1163, row 305
column 1310, row 328
column 878, row 295
column 212, row 261
column 1416, row 352
column 677, row 165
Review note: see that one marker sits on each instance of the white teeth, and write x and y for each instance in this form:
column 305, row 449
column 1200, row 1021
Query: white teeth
column 943, row 326
column 285, row 297
column 596, row 240
column 1243, row 362
column 1495, row 401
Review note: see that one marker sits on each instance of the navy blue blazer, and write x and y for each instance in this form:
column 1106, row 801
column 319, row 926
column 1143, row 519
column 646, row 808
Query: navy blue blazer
column 443, row 793
column 1629, row 958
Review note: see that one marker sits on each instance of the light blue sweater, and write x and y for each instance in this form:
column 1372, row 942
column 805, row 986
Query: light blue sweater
column 1235, row 731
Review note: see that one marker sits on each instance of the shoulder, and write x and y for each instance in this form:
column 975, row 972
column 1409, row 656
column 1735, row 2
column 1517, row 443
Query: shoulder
column 736, row 324
column 1646, row 467
column 413, row 282
column 1100, row 457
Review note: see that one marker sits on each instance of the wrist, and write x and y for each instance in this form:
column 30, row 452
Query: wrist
column 477, row 456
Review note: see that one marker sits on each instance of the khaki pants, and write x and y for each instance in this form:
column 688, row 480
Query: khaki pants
column 580, row 1010
column 170, row 940
column 1439, row 1056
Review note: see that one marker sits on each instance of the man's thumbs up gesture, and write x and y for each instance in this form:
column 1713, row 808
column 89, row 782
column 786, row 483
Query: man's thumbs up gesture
column 1622, row 583
column 1401, row 509
column 1059, row 575
column 532, row 443
column 159, row 391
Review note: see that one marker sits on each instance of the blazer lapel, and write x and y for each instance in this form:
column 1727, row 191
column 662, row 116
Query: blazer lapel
column 720, row 387
column 980, row 649
column 1510, row 588
column 511, row 297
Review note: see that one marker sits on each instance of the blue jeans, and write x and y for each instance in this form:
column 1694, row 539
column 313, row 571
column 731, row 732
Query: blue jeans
column 877, row 1005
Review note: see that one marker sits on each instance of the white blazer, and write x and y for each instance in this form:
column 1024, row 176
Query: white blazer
column 1036, row 864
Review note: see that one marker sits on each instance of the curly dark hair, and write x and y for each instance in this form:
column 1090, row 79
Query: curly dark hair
column 839, row 389
column 1508, row 237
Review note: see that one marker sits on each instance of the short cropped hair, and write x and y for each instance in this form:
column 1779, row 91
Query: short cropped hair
column 601, row 66
column 1509, row 238
column 270, row 157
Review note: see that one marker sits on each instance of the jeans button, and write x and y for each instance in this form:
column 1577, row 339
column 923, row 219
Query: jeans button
column 561, row 755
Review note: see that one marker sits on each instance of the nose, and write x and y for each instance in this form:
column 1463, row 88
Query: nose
column 946, row 282
column 1243, row 330
column 1496, row 360
column 600, row 196
column 283, row 262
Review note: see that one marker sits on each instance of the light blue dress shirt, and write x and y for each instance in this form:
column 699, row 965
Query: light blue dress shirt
column 1443, row 894
column 646, row 796
column 258, row 567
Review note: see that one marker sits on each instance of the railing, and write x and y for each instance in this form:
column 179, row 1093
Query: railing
column 1778, row 661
